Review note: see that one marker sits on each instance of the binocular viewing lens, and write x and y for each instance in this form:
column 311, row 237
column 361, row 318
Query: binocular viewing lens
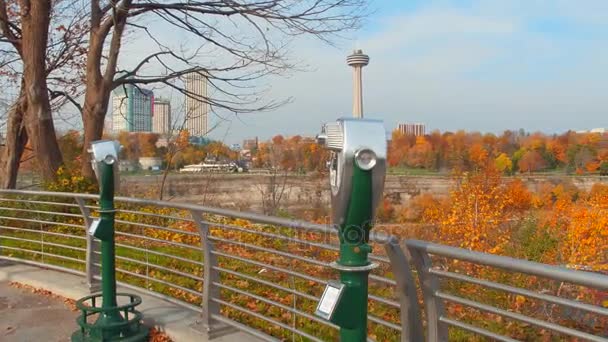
column 366, row 159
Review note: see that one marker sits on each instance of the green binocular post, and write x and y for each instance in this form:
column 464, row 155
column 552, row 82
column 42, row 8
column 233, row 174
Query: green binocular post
column 112, row 322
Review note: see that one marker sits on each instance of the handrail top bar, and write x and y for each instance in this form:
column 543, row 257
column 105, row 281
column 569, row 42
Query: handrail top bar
column 559, row 273
column 186, row 206
column 375, row 236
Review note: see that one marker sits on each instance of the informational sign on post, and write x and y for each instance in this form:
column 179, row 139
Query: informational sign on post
column 329, row 300
column 93, row 227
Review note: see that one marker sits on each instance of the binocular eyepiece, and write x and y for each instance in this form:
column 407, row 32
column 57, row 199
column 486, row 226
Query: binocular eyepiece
column 106, row 152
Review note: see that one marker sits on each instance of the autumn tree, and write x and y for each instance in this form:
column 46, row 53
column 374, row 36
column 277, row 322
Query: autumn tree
column 531, row 161
column 478, row 156
column 503, row 163
column 147, row 144
column 397, row 148
column 42, row 57
column 421, row 154
column 584, row 242
column 475, row 214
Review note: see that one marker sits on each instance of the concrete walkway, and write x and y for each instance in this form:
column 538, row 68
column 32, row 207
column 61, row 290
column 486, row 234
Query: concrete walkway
column 177, row 322
column 27, row 316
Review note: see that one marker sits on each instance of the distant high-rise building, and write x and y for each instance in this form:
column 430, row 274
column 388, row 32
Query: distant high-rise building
column 132, row 109
column 161, row 121
column 196, row 109
column 415, row 129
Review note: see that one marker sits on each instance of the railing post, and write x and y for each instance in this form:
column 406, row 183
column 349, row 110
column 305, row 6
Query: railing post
column 437, row 330
column 406, row 289
column 92, row 258
column 210, row 276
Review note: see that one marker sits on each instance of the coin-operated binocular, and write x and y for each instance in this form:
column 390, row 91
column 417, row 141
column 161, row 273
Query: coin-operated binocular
column 357, row 173
column 110, row 325
column 104, row 160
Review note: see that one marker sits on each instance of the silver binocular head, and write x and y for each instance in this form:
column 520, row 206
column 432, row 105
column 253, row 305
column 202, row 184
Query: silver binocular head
column 354, row 143
column 105, row 151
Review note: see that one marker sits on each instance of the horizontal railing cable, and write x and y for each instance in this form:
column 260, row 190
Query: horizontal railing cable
column 267, row 319
column 271, row 251
column 523, row 292
column 153, row 279
column 41, row 212
column 275, row 268
column 151, row 251
column 153, row 226
column 42, row 221
column 40, row 202
column 476, row 330
column 277, row 304
column 178, row 244
column 267, row 283
column 152, row 265
column 161, row 216
column 519, row 317
column 275, row 236
column 25, row 250
column 589, row 279
column 38, row 231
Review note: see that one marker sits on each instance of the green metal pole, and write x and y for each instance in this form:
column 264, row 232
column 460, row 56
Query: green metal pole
column 108, row 253
column 354, row 249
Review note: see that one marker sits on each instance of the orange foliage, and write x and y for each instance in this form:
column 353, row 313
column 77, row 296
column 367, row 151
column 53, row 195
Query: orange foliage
column 517, row 195
column 475, row 213
column 531, row 161
column 581, row 227
column 292, row 154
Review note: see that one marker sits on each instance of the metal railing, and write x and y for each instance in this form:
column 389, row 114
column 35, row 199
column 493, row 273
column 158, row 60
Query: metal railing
column 260, row 274
column 264, row 275
column 442, row 284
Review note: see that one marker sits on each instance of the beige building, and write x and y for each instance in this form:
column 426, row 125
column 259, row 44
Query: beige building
column 415, row 129
column 197, row 111
column 161, row 121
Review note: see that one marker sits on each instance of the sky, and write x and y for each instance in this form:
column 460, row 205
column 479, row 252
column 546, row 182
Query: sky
column 475, row 65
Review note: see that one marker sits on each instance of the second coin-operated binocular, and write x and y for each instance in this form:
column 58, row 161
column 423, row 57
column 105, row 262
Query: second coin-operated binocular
column 104, row 159
column 356, row 145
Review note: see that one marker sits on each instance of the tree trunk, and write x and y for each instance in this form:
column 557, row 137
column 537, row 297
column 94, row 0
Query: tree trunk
column 15, row 141
column 39, row 121
column 93, row 118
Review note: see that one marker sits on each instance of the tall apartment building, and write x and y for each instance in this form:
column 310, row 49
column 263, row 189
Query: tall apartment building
column 132, row 109
column 161, row 119
column 415, row 129
column 197, row 111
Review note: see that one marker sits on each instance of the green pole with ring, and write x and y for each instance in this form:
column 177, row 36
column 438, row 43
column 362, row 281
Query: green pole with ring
column 113, row 322
column 357, row 173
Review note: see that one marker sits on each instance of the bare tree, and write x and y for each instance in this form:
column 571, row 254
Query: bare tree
column 235, row 44
column 274, row 188
column 41, row 54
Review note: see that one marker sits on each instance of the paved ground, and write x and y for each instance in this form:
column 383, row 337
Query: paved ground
column 26, row 316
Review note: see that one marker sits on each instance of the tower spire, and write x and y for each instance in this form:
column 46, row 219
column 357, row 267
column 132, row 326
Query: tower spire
column 357, row 60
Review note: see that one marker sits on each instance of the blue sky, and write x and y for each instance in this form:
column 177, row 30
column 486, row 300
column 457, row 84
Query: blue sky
column 475, row 65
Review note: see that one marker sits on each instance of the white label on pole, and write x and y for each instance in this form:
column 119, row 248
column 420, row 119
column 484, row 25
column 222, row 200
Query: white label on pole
column 94, row 226
column 329, row 300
